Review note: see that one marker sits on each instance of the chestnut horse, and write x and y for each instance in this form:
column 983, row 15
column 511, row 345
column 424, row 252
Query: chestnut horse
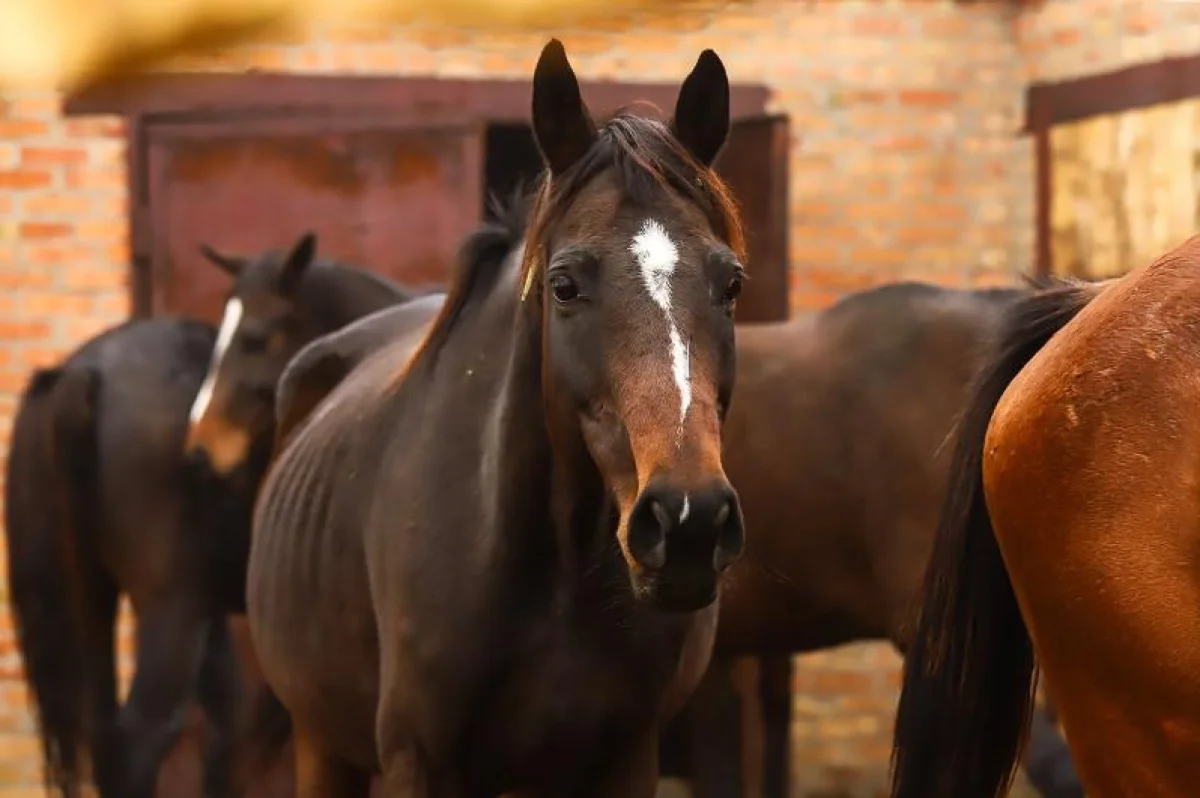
column 836, row 443
column 1071, row 530
column 493, row 565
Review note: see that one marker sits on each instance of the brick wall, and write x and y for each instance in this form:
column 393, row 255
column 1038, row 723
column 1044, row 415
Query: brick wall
column 904, row 164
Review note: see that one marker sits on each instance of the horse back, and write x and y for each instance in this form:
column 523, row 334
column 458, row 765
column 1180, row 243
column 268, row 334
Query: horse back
column 841, row 488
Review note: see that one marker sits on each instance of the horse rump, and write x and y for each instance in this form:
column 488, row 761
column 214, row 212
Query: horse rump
column 968, row 684
column 48, row 496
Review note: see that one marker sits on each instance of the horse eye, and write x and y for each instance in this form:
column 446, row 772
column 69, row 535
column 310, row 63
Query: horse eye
column 253, row 344
column 732, row 291
column 564, row 288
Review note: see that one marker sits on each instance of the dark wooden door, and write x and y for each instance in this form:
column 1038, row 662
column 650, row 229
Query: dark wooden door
column 391, row 194
column 754, row 164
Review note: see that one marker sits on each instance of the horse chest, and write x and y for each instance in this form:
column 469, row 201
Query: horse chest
column 565, row 702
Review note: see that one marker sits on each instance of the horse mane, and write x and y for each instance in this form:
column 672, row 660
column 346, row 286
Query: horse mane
column 646, row 159
column 478, row 267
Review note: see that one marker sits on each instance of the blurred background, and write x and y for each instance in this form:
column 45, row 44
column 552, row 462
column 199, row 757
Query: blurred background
column 955, row 141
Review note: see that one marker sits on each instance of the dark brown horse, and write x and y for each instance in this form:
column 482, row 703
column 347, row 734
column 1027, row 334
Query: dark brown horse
column 836, row 444
column 101, row 501
column 1071, row 529
column 277, row 304
column 492, row 566
column 893, row 365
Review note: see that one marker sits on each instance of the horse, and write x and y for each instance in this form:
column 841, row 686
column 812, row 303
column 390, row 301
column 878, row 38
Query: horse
column 905, row 353
column 275, row 305
column 1069, row 531
column 492, row 565
column 100, row 501
column 836, row 445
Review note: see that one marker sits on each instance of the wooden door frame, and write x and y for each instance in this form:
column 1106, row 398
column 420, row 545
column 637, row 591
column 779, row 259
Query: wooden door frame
column 173, row 99
column 1054, row 103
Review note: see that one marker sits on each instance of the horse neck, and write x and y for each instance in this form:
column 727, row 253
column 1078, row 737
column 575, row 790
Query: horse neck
column 544, row 490
column 339, row 295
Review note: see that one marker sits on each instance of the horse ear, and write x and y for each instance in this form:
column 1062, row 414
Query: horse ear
column 297, row 262
column 229, row 264
column 561, row 123
column 701, row 120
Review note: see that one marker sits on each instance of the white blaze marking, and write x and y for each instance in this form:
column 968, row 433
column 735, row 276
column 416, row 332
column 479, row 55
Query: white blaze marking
column 687, row 509
column 657, row 255
column 229, row 325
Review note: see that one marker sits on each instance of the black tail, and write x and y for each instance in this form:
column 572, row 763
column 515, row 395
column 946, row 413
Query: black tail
column 48, row 489
column 968, row 676
column 266, row 734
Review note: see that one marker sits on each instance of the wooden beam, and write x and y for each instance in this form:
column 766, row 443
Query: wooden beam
column 1166, row 81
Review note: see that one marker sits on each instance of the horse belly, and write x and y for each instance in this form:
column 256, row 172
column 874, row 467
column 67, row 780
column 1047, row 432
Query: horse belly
column 314, row 630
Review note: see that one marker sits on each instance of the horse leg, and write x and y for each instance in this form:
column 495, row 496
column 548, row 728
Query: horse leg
column 220, row 692
column 775, row 691
column 716, row 730
column 319, row 775
column 171, row 641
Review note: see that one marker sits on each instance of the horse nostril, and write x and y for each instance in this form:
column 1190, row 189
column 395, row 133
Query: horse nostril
column 648, row 527
column 660, row 515
column 731, row 535
column 723, row 514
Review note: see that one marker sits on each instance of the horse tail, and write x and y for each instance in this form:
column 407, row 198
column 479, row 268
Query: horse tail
column 267, row 731
column 968, row 680
column 49, row 486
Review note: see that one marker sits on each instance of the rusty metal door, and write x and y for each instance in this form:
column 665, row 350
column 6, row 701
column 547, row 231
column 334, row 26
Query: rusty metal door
column 392, row 194
column 754, row 164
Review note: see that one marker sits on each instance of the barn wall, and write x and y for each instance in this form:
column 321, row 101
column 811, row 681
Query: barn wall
column 905, row 163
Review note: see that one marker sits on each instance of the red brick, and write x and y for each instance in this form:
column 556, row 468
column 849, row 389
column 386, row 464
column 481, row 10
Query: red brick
column 87, row 278
column 22, row 128
column 17, row 179
column 24, row 278
column 113, row 305
column 103, row 231
column 23, row 329
column 56, row 254
column 89, row 178
column 42, row 230
column 42, row 156
column 872, row 25
column 56, row 304
column 928, row 98
column 56, row 204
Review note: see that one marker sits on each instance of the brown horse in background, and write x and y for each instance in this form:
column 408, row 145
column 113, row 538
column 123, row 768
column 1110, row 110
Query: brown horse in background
column 100, row 501
column 275, row 306
column 836, row 444
column 1071, row 529
column 494, row 567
